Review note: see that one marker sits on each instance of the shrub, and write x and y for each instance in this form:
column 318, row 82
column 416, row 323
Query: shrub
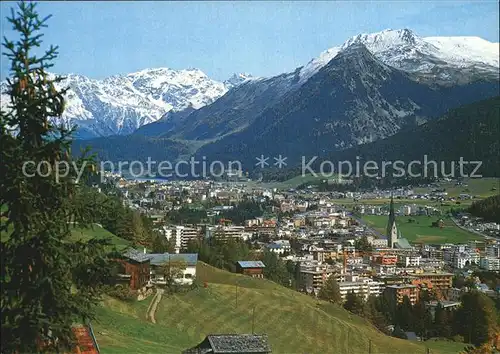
column 121, row 292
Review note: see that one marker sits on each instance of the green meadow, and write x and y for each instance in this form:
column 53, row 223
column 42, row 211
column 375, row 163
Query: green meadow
column 421, row 231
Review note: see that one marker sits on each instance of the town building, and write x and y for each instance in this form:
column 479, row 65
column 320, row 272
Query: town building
column 409, row 261
column 447, row 305
column 227, row 232
column 314, row 274
column 385, row 259
column 462, row 259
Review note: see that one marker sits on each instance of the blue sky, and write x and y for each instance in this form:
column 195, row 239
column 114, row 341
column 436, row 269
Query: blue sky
column 99, row 39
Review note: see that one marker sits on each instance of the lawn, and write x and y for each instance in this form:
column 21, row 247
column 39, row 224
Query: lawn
column 421, row 230
column 445, row 346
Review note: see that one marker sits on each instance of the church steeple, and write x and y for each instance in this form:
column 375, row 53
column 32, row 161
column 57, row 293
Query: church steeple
column 392, row 231
column 392, row 217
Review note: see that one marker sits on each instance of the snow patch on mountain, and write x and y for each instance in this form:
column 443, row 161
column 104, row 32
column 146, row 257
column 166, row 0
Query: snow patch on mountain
column 463, row 50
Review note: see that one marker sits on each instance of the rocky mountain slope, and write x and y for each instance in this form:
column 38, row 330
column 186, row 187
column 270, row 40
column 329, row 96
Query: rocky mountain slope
column 470, row 131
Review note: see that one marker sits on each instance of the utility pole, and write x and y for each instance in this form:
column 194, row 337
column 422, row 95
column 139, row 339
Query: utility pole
column 347, row 340
column 253, row 319
column 369, row 346
column 236, row 295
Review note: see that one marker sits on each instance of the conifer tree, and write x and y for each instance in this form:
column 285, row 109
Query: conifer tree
column 355, row 303
column 477, row 318
column 48, row 282
column 330, row 291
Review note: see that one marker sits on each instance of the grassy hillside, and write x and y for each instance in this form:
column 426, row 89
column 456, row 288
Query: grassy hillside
column 122, row 328
column 294, row 322
column 421, row 230
column 80, row 233
column 98, row 232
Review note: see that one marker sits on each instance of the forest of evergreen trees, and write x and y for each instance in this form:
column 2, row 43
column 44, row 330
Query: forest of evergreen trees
column 488, row 208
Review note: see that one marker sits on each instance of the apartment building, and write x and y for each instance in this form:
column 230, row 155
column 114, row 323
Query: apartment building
column 431, row 263
column 463, row 259
column 432, row 252
column 439, row 281
column 490, row 263
column 493, row 251
column 409, row 261
column 385, row 259
column 396, row 293
column 182, row 235
column 361, row 286
column 314, row 274
column 225, row 232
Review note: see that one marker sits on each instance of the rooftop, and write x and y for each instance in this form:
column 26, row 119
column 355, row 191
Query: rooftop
column 162, row 258
column 239, row 343
column 251, row 264
column 232, row 343
column 136, row 255
column 403, row 286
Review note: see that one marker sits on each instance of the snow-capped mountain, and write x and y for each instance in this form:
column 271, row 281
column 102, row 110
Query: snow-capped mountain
column 444, row 60
column 121, row 104
column 189, row 105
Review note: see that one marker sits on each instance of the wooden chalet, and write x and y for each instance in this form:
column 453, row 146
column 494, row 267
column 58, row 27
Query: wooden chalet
column 252, row 268
column 135, row 269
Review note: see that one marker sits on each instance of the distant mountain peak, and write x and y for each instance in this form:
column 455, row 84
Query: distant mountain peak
column 237, row 79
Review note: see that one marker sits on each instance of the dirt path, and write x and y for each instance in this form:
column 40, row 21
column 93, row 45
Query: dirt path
column 154, row 304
